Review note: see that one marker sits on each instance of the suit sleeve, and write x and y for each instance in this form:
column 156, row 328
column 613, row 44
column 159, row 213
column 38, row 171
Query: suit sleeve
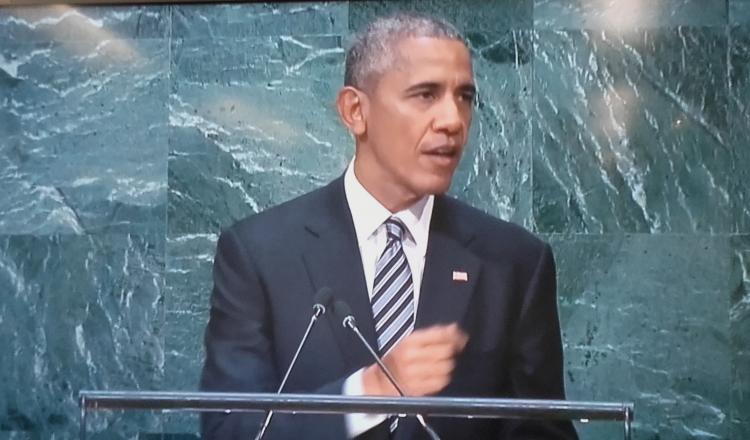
column 537, row 371
column 239, row 352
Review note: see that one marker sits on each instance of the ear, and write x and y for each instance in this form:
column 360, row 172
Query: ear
column 352, row 106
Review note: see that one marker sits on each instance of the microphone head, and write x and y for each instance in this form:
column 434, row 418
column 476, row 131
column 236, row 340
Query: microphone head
column 341, row 309
column 344, row 313
column 323, row 296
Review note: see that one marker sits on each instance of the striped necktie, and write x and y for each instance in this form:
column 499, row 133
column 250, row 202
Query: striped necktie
column 393, row 290
column 393, row 295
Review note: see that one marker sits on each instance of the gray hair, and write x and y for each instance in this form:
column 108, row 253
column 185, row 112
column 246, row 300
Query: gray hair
column 373, row 49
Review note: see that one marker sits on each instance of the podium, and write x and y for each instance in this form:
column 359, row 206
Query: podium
column 338, row 404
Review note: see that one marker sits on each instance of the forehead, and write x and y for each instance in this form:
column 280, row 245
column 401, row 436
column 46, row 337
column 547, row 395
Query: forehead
column 439, row 58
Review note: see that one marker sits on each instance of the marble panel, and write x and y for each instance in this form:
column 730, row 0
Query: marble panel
column 86, row 23
column 630, row 132
column 645, row 319
column 244, row 20
column 188, row 289
column 739, row 119
column 631, row 14
column 495, row 173
column 252, row 124
column 739, row 12
column 467, row 15
column 78, row 312
column 180, row 426
column 83, row 136
column 739, row 325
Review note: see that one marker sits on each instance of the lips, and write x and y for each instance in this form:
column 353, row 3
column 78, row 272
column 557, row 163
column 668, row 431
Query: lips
column 442, row 151
column 443, row 156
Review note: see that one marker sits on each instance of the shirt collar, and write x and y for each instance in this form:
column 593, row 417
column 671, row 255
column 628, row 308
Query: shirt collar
column 368, row 214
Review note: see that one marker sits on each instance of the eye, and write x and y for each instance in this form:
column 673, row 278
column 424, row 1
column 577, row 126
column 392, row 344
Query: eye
column 426, row 95
column 468, row 97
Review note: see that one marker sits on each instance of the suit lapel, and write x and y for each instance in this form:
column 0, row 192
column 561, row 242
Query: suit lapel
column 333, row 260
column 450, row 275
column 450, row 271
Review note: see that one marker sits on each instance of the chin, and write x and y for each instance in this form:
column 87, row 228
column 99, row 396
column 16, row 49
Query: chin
column 435, row 186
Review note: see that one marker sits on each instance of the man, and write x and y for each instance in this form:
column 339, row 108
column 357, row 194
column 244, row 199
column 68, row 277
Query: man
column 457, row 302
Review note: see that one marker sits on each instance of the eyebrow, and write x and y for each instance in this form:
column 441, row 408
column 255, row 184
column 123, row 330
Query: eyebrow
column 470, row 88
column 431, row 85
column 427, row 85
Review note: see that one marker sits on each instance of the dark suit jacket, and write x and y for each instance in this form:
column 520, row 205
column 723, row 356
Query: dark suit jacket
column 269, row 266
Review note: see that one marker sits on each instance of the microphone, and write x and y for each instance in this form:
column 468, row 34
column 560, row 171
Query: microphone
column 323, row 297
column 343, row 312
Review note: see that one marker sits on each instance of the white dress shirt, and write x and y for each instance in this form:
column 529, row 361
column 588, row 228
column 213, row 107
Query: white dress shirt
column 368, row 216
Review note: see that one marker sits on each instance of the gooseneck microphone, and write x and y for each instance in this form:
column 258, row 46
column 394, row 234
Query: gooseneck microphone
column 322, row 298
column 343, row 312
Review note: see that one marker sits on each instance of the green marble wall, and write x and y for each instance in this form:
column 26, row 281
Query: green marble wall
column 618, row 131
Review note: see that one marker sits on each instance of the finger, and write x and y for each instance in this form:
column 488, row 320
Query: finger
column 434, row 385
column 462, row 340
column 428, row 354
column 438, row 334
column 428, row 371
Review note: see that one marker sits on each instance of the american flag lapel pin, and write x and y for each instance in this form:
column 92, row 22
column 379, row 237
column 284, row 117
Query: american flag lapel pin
column 459, row 275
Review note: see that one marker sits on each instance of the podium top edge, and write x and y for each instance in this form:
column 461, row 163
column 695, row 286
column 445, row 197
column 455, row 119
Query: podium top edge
column 459, row 406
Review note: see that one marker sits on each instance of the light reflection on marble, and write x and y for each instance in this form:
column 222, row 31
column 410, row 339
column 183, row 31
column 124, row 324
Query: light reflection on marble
column 83, row 143
column 87, row 23
column 631, row 136
column 627, row 15
column 257, row 132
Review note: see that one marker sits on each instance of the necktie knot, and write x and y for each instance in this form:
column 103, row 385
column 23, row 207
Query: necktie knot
column 395, row 228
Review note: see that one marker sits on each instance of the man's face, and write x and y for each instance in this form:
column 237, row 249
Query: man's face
column 417, row 121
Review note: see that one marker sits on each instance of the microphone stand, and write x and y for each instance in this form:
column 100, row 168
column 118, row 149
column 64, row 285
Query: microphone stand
column 318, row 310
column 350, row 323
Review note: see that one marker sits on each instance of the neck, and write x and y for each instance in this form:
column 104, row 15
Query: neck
column 390, row 196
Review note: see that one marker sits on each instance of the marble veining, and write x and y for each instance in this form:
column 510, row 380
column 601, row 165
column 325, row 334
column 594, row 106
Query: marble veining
column 187, row 287
column 632, row 317
column 83, row 144
column 231, row 129
column 627, row 15
column 495, row 173
column 627, row 137
column 467, row 15
column 254, row 133
column 78, row 312
column 130, row 135
column 739, row 117
column 67, row 23
column 739, row 324
column 260, row 19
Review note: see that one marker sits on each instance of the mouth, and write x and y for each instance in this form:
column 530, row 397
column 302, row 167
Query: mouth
column 443, row 154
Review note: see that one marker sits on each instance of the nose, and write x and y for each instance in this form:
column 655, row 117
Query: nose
column 448, row 116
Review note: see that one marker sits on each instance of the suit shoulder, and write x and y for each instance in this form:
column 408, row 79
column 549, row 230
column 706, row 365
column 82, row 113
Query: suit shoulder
column 496, row 237
column 277, row 221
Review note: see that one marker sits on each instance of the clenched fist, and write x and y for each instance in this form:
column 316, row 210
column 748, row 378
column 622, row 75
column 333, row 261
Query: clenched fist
column 422, row 362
